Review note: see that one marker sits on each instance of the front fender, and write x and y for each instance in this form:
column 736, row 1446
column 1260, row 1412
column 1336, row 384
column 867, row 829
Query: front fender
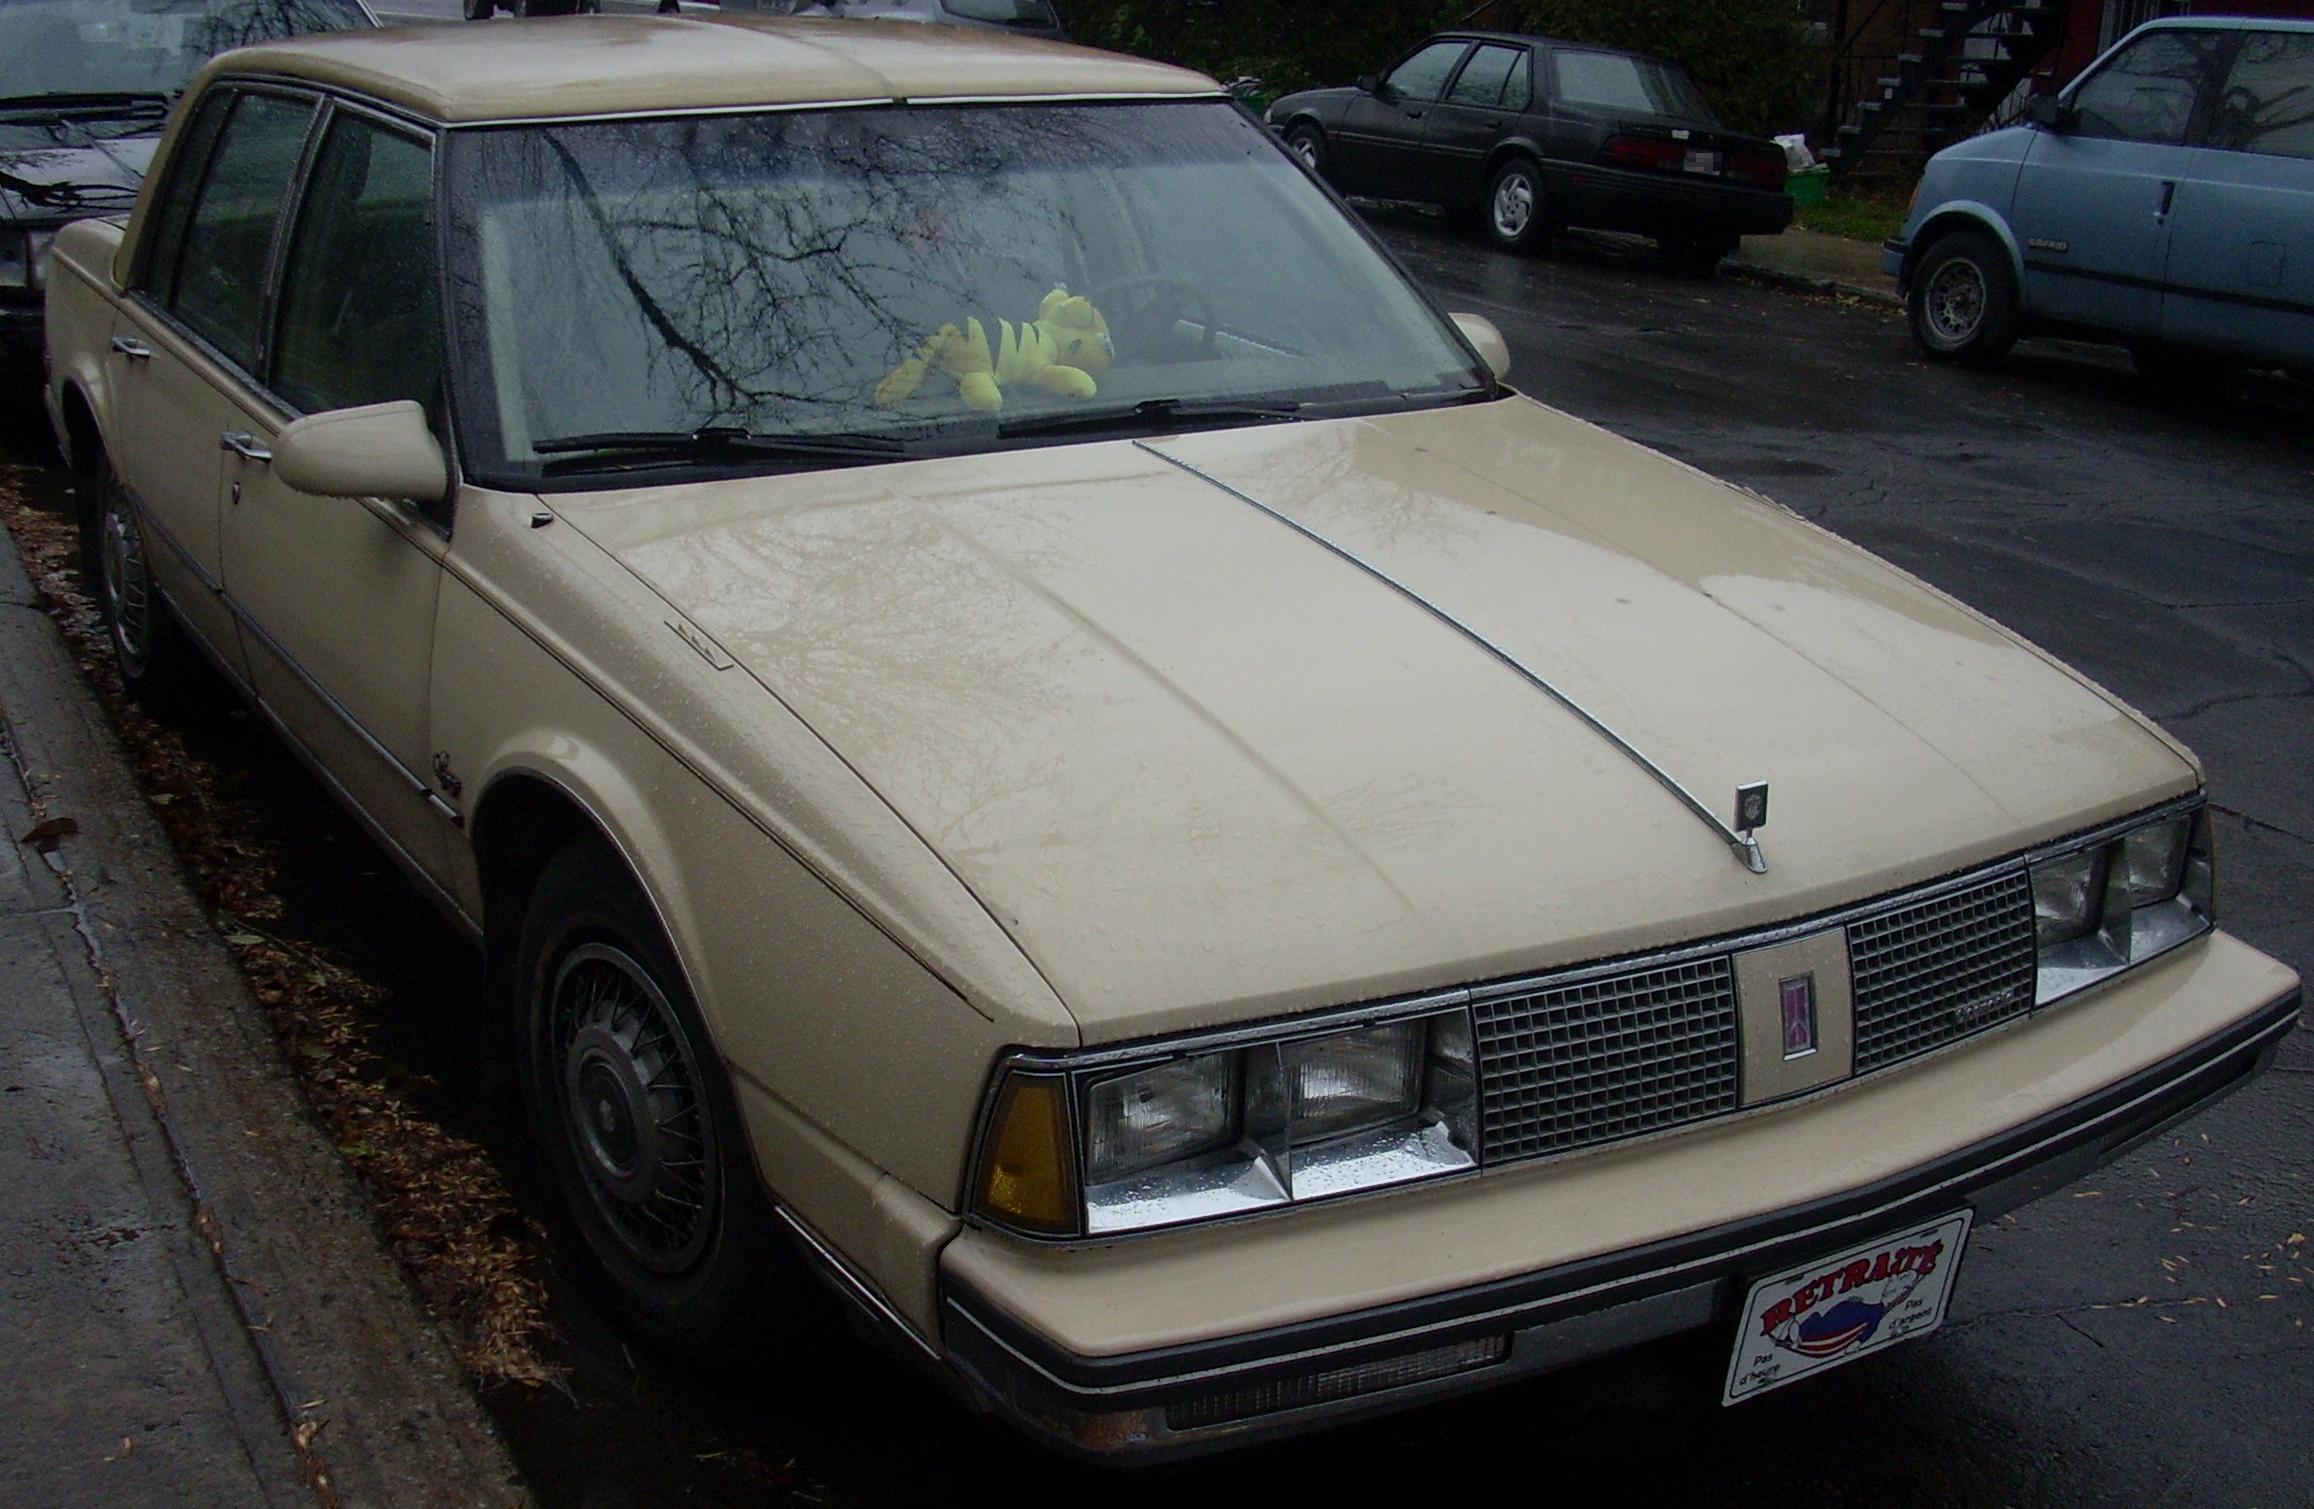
column 1956, row 215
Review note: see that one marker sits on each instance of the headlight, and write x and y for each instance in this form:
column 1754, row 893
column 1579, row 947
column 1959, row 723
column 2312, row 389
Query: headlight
column 1244, row 1124
column 22, row 255
column 2120, row 898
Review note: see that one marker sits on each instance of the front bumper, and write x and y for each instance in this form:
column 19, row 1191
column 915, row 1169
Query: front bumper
column 1163, row 1401
column 20, row 348
column 1893, row 251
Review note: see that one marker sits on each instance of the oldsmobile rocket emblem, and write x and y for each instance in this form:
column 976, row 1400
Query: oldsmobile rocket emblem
column 1797, row 998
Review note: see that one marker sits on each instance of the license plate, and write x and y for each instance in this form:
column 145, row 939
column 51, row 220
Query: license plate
column 1700, row 161
column 1838, row 1309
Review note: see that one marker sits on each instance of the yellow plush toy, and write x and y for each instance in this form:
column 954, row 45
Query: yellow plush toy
column 1061, row 351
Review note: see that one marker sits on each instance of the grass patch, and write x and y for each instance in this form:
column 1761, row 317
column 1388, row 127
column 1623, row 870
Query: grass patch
column 1859, row 217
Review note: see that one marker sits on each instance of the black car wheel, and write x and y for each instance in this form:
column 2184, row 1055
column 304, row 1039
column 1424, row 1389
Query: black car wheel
column 1964, row 300
column 1309, row 144
column 631, row 1108
column 1696, row 255
column 156, row 660
column 1514, row 215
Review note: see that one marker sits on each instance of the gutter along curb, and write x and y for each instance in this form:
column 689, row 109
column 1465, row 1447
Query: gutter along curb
column 300, row 1300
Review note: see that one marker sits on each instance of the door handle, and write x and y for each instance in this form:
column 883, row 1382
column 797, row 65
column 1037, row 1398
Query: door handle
column 132, row 348
column 243, row 444
column 2168, row 195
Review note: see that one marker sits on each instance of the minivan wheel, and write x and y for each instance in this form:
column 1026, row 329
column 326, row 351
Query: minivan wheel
column 631, row 1108
column 155, row 659
column 1964, row 300
column 1513, row 215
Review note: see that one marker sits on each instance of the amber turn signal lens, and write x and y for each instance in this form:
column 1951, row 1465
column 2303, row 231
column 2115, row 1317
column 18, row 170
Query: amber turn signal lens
column 1024, row 1179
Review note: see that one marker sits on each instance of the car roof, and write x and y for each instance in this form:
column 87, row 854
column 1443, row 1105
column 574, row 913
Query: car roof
column 1536, row 39
column 2227, row 23
column 569, row 67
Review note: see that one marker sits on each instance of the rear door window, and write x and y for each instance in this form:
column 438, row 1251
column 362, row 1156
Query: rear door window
column 1490, row 78
column 219, row 282
column 2268, row 103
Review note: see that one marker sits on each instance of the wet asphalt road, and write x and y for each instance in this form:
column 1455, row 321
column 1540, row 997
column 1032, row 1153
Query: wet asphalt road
column 2113, row 1344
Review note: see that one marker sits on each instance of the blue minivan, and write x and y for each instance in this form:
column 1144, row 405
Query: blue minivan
column 2165, row 199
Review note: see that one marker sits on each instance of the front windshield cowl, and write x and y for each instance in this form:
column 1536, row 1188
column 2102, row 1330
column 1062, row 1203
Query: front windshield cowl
column 951, row 278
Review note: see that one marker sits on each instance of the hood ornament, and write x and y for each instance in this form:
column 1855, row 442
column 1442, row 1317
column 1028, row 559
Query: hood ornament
column 1751, row 812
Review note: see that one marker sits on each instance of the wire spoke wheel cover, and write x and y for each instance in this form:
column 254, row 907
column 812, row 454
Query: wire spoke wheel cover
column 632, row 1107
column 125, row 578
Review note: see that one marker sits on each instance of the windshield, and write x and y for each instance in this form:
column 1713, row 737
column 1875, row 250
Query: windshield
column 937, row 278
column 1620, row 81
column 100, row 47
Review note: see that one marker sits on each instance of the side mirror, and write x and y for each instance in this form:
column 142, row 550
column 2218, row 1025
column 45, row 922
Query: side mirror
column 1492, row 348
column 382, row 450
column 1367, row 83
column 2049, row 113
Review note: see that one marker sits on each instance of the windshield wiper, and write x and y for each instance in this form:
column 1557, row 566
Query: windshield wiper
column 68, row 99
column 716, row 442
column 1149, row 413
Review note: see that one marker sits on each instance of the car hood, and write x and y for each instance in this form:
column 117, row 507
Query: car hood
column 58, row 170
column 1225, row 725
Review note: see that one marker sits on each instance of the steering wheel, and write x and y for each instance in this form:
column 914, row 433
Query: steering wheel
column 1143, row 313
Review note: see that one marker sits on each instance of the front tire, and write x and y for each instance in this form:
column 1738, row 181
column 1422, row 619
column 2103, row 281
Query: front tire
column 631, row 1108
column 1513, row 215
column 1307, row 142
column 1964, row 304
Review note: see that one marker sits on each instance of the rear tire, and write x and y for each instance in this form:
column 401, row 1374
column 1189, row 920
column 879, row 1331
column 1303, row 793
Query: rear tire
column 1513, row 215
column 631, row 1108
column 1963, row 306
column 155, row 657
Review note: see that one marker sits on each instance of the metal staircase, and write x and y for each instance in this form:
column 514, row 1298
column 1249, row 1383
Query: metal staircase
column 1914, row 76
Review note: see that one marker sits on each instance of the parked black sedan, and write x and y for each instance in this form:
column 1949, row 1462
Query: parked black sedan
column 1528, row 134
column 85, row 87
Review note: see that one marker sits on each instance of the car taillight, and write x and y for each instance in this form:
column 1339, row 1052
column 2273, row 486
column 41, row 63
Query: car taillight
column 1647, row 152
column 1765, row 169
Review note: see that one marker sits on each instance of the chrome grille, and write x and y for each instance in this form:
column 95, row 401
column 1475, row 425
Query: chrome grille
column 1927, row 972
column 1575, row 1064
column 1566, row 1066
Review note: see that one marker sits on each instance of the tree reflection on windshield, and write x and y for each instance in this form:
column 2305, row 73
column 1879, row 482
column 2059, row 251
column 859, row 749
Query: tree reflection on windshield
column 771, row 272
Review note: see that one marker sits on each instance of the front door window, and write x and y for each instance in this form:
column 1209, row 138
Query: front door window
column 359, row 320
column 1423, row 76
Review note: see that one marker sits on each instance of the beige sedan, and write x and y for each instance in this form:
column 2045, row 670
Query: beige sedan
column 1040, row 750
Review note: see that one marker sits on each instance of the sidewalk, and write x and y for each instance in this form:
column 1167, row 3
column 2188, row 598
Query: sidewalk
column 198, row 1305
column 1818, row 263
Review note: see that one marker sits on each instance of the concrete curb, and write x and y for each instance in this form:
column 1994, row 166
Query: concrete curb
column 356, row 1392
column 1783, row 277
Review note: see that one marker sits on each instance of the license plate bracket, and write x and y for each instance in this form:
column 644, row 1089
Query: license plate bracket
column 1835, row 1309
